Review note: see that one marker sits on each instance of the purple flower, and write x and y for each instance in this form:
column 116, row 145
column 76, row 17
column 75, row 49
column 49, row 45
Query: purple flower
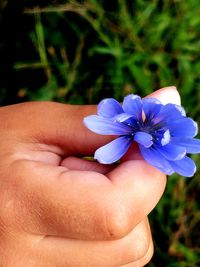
column 163, row 132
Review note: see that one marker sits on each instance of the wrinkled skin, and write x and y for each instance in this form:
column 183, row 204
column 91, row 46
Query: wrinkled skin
column 57, row 209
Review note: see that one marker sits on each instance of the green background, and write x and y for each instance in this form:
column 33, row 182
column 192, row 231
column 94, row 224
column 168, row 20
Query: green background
column 82, row 51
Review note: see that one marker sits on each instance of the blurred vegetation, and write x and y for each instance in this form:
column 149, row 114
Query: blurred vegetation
column 82, row 51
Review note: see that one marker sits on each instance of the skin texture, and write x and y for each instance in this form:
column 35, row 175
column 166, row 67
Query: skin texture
column 58, row 209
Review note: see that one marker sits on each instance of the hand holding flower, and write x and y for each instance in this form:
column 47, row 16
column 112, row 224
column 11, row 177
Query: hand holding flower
column 54, row 203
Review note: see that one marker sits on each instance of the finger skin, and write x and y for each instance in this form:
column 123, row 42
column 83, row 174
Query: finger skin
column 51, row 251
column 129, row 249
column 146, row 257
column 74, row 163
column 57, row 125
column 143, row 261
column 94, row 206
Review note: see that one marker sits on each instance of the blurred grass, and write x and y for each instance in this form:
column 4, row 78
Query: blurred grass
column 82, row 51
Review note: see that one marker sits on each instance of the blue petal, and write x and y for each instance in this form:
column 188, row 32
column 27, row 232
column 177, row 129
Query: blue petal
column 123, row 117
column 172, row 152
column 191, row 145
column 132, row 104
column 151, row 100
column 185, row 166
column 180, row 109
column 184, row 127
column 106, row 126
column 151, row 107
column 154, row 158
column 170, row 112
column 113, row 151
column 109, row 108
column 143, row 138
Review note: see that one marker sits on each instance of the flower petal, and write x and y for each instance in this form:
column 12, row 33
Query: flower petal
column 151, row 107
column 132, row 104
column 123, row 117
column 191, row 145
column 154, row 158
column 180, row 109
column 106, row 126
column 151, row 100
column 185, row 166
column 172, row 152
column 109, row 108
column 170, row 112
column 184, row 127
column 143, row 138
column 113, row 151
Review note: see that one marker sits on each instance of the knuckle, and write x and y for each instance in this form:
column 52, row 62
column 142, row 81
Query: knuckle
column 143, row 257
column 137, row 248
column 118, row 221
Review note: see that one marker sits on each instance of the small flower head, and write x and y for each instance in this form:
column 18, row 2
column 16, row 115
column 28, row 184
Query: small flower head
column 163, row 132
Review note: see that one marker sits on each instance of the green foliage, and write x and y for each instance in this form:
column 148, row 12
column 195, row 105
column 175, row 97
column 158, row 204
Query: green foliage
column 82, row 51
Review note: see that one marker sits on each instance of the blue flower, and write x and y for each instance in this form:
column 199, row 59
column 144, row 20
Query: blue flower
column 163, row 132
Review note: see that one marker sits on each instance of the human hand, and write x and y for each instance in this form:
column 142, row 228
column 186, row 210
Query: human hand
column 60, row 210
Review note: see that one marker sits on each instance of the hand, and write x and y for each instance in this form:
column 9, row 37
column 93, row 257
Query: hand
column 60, row 210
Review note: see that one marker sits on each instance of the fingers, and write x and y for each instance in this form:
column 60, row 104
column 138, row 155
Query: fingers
column 146, row 257
column 80, row 164
column 61, row 125
column 130, row 249
column 143, row 261
column 29, row 249
column 142, row 185
column 84, row 205
column 57, row 125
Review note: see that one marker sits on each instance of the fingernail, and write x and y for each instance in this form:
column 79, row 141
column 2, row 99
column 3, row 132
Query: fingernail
column 169, row 95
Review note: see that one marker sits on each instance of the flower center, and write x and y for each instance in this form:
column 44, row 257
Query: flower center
column 160, row 134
